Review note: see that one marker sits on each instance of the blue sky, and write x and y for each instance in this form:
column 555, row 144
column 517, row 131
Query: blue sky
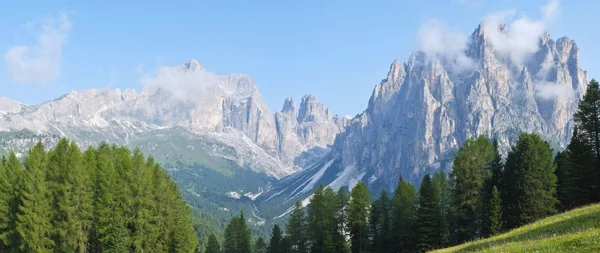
column 336, row 50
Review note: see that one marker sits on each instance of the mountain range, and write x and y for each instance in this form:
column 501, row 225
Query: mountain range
column 218, row 139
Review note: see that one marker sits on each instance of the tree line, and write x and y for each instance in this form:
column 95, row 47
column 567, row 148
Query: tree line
column 483, row 195
column 107, row 199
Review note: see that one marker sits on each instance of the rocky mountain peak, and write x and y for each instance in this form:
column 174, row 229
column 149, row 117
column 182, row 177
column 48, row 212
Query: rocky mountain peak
column 289, row 106
column 311, row 109
column 191, row 65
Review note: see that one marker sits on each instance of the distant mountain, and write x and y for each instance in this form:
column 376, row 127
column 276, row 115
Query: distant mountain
column 425, row 108
column 227, row 110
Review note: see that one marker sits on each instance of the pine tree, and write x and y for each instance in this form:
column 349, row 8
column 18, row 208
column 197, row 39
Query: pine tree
column 578, row 173
column 358, row 215
column 321, row 220
column 529, row 182
column 380, row 224
column 10, row 174
column 428, row 217
column 213, row 245
column 275, row 244
column 296, row 229
column 471, row 171
column 341, row 220
column 260, row 246
column 587, row 120
column 443, row 195
column 34, row 218
column 237, row 236
column 403, row 217
column 495, row 212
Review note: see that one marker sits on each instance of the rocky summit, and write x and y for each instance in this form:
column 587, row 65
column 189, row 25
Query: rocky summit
column 426, row 107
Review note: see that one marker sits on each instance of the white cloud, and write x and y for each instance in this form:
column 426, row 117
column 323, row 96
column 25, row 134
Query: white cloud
column 435, row 39
column 187, row 82
column 521, row 37
column 40, row 63
column 553, row 90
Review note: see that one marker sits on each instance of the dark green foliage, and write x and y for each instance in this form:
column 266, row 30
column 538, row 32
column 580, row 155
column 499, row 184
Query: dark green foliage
column 34, row 216
column 321, row 220
column 276, row 242
column 471, row 171
column 443, row 195
column 296, row 229
column 98, row 201
column 495, row 212
column 9, row 202
column 587, row 118
column 213, row 245
column 260, row 246
column 380, row 223
column 358, row 215
column 428, row 217
column 529, row 182
column 403, row 217
column 237, row 236
column 577, row 173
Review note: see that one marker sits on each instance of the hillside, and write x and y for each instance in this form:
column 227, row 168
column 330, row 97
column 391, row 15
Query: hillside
column 574, row 231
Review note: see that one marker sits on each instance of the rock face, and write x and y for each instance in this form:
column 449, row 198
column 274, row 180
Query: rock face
column 425, row 109
column 226, row 108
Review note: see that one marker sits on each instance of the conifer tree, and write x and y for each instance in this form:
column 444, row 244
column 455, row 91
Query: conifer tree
column 587, row 120
column 471, row 171
column 341, row 220
column 381, row 224
column 428, row 218
column 237, row 236
column 358, row 215
column 260, row 246
column 276, row 242
column 34, row 217
column 403, row 217
column 296, row 229
column 213, row 245
column 579, row 174
column 495, row 212
column 529, row 182
column 443, row 196
column 10, row 174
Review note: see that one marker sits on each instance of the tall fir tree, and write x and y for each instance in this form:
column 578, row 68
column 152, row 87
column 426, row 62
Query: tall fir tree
column 470, row 172
column 428, row 217
column 578, row 173
column 358, row 215
column 237, row 236
column 260, row 246
column 587, row 120
column 403, row 217
column 34, row 218
column 381, row 224
column 529, row 182
column 321, row 220
column 296, row 229
column 443, row 195
column 495, row 221
column 213, row 245
column 276, row 241
column 10, row 174
column 341, row 220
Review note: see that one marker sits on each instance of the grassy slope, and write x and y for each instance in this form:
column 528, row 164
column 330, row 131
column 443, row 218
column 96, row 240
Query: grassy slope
column 574, row 231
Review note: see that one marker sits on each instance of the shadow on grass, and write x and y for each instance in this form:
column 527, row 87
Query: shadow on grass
column 561, row 227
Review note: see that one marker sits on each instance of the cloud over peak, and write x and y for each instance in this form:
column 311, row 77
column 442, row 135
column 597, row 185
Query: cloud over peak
column 40, row 63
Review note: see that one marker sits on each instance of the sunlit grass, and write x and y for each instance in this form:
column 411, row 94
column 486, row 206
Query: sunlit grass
column 575, row 231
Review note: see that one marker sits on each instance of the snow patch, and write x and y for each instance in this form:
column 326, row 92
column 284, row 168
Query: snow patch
column 234, row 195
